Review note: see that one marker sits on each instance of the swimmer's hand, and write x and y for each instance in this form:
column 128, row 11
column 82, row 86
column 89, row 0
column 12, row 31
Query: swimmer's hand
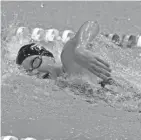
column 87, row 59
column 91, row 62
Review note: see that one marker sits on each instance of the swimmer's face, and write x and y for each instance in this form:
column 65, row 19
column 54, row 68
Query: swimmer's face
column 37, row 64
column 35, row 59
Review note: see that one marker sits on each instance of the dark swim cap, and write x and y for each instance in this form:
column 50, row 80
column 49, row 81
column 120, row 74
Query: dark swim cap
column 30, row 50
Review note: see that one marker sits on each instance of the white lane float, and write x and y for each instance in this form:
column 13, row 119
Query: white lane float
column 37, row 34
column 129, row 41
column 28, row 138
column 9, row 138
column 132, row 41
column 139, row 41
column 67, row 35
column 15, row 138
column 52, row 35
column 115, row 38
column 22, row 34
column 21, row 37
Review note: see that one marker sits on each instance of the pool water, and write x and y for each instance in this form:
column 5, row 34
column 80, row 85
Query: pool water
column 74, row 108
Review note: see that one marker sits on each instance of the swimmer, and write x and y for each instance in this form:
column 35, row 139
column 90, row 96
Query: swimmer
column 74, row 57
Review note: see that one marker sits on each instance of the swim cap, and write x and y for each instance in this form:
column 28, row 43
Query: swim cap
column 30, row 50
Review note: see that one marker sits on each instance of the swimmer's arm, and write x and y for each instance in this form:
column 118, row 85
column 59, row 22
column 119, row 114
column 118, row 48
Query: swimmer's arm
column 87, row 33
column 94, row 64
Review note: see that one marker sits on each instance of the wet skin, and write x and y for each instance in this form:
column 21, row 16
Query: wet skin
column 75, row 57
